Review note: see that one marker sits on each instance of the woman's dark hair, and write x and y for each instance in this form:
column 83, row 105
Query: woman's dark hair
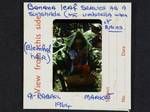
column 79, row 35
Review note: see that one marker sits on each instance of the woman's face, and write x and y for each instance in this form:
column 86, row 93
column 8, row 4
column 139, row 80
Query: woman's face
column 78, row 43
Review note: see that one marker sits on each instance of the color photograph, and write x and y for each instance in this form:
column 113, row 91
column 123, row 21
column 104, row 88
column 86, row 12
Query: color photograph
column 77, row 55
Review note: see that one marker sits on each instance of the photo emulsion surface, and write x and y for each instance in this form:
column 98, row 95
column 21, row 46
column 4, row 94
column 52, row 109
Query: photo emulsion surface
column 77, row 54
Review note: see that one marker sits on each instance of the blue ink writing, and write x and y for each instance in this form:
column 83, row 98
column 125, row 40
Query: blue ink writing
column 40, row 56
column 112, row 28
column 69, row 10
column 42, row 48
column 42, row 10
column 44, row 7
column 68, row 14
column 97, row 14
column 93, row 8
column 46, row 14
column 124, row 7
column 121, row 15
column 62, row 105
column 69, row 7
column 113, row 8
column 98, row 97
column 107, row 21
column 42, row 96
column 44, row 51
